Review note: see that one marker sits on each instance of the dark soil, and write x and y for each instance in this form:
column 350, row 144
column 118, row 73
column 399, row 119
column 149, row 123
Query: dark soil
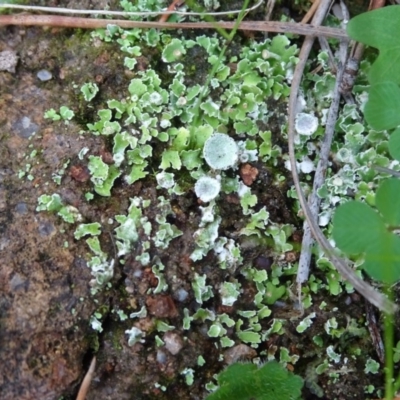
column 46, row 340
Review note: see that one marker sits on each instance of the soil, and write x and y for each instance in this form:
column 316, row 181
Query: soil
column 46, row 340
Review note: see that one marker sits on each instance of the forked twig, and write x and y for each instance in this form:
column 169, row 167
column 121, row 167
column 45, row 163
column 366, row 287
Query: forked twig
column 376, row 298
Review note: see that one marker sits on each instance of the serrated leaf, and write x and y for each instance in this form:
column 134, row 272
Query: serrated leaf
column 170, row 158
column 387, row 201
column 382, row 108
column 356, row 226
column 104, row 189
column 137, row 173
column 394, row 144
column 246, row 381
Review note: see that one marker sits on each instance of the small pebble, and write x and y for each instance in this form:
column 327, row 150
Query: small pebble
column 46, row 228
column 8, row 61
column 44, row 75
column 25, row 127
column 18, row 282
column 181, row 295
column 21, row 208
column 161, row 357
column 173, row 342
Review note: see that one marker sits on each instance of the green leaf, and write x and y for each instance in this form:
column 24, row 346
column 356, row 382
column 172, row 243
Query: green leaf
column 89, row 91
column 104, row 189
column 92, row 229
column 173, row 51
column 356, row 226
column 137, row 172
column 273, row 293
column 199, row 135
column 170, row 158
column 387, row 201
column 249, row 337
column 394, row 144
column 386, row 67
column 382, row 108
column 190, row 158
column 137, row 87
column 49, row 203
column 52, row 114
column 379, row 28
column 382, row 261
column 247, row 381
column 66, row 113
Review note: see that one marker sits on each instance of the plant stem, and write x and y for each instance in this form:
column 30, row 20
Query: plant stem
column 192, row 4
column 215, row 67
column 389, row 344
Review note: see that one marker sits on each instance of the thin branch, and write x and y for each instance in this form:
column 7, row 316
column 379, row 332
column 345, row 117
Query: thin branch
column 92, row 23
column 86, row 381
column 60, row 10
column 319, row 176
column 386, row 170
column 306, row 19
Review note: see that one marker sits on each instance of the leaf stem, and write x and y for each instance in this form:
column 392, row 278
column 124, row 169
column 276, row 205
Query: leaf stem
column 389, row 344
column 215, row 67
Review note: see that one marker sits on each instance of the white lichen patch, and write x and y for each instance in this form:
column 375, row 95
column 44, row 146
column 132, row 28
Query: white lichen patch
column 207, row 188
column 220, row 151
column 306, row 124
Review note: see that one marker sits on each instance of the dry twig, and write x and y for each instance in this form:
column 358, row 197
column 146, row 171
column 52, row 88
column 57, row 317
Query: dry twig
column 306, row 19
column 61, row 10
column 171, row 7
column 91, row 23
column 319, row 176
column 86, row 381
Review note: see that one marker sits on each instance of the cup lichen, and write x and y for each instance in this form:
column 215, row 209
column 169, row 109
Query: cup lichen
column 220, row 151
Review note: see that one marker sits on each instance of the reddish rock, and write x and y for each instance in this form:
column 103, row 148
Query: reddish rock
column 106, row 156
column 79, row 173
column 161, row 306
column 248, row 174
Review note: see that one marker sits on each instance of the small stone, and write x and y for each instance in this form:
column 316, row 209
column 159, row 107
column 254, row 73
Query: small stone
column 80, row 173
column 44, row 75
column 263, row 262
column 21, row 208
column 173, row 342
column 8, row 61
column 25, row 127
column 181, row 295
column 240, row 352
